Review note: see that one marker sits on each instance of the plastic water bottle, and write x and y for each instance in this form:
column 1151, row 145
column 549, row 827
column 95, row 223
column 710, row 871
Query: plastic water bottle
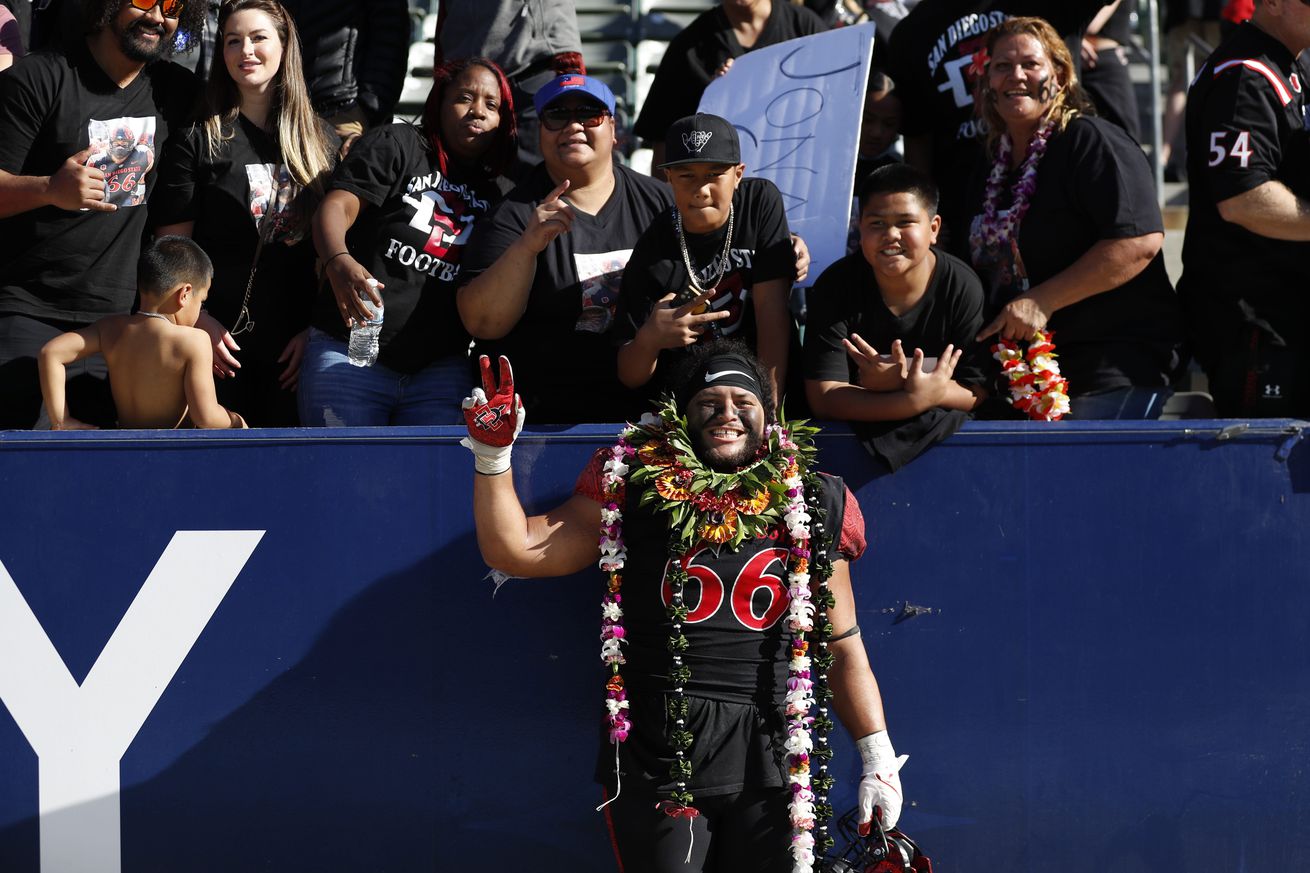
column 363, row 345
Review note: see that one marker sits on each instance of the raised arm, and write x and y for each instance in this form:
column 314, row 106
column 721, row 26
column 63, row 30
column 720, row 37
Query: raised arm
column 202, row 400
column 564, row 540
column 493, row 301
column 858, row 702
column 52, row 365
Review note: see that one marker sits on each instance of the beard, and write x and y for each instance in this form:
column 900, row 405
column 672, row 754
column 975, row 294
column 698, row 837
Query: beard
column 133, row 44
column 120, row 153
column 730, row 463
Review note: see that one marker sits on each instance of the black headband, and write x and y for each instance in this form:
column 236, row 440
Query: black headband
column 725, row 370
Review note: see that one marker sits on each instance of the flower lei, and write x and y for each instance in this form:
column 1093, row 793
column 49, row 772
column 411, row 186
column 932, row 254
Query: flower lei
column 704, row 505
column 1036, row 386
column 995, row 229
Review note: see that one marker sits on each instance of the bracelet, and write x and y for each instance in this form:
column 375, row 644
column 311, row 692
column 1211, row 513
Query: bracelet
column 333, row 258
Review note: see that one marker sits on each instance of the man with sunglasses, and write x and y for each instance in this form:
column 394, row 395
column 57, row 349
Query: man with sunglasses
column 71, row 222
column 1246, row 256
column 543, row 276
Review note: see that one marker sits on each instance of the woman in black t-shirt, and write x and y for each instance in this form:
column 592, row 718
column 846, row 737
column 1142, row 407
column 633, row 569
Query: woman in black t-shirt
column 243, row 183
column 400, row 211
column 1066, row 232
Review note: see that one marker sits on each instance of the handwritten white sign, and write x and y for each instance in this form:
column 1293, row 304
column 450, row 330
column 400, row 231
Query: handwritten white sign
column 797, row 107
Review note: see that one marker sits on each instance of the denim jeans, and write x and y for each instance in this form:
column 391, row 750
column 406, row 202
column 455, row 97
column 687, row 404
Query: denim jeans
column 1134, row 402
column 335, row 393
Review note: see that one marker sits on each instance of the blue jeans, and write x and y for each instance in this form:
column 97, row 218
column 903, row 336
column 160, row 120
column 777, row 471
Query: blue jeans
column 1134, row 402
column 335, row 393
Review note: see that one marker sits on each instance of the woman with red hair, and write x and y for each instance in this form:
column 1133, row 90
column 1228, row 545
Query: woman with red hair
column 400, row 209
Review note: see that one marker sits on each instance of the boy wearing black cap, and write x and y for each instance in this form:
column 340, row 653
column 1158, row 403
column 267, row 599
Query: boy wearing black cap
column 719, row 263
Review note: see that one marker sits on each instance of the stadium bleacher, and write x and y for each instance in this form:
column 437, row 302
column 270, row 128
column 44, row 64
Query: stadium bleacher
column 622, row 44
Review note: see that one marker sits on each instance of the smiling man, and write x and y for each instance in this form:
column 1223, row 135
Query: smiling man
column 72, row 210
column 707, row 764
column 542, row 279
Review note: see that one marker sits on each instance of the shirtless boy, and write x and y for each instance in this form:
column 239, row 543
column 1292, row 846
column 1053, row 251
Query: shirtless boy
column 160, row 364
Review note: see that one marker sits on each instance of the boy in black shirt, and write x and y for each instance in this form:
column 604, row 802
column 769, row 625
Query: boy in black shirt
column 896, row 293
column 719, row 263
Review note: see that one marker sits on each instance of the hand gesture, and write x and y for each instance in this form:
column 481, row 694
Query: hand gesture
column 723, row 68
column 1019, row 320
column 551, row 218
column 929, row 389
column 225, row 364
column 878, row 372
column 75, row 186
column 674, row 325
column 879, row 792
column 349, row 279
column 494, row 416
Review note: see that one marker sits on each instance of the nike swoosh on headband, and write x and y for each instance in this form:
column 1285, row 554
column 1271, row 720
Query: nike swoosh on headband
column 710, row 377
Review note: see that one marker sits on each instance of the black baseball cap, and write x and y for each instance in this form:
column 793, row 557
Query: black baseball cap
column 701, row 139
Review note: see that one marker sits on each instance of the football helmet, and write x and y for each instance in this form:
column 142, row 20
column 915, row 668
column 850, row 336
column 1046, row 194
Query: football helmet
column 879, row 852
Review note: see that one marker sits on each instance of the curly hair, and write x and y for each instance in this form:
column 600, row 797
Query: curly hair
column 504, row 144
column 1070, row 99
column 97, row 14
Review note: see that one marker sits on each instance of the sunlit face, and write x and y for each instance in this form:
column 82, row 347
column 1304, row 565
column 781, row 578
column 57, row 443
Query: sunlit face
column 881, row 123
column 726, row 426
column 143, row 36
column 896, row 233
column 192, row 302
column 575, row 144
column 470, row 113
column 252, row 50
column 1021, row 80
column 703, row 193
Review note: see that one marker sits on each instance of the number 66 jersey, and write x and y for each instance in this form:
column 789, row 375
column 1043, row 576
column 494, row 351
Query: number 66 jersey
column 737, row 630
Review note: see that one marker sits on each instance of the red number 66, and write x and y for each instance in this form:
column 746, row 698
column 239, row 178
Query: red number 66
column 756, row 575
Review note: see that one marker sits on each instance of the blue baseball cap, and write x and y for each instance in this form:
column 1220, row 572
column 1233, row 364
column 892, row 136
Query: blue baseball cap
column 571, row 83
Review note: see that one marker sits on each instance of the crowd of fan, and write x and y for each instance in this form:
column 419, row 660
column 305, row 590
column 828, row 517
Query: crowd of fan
column 271, row 205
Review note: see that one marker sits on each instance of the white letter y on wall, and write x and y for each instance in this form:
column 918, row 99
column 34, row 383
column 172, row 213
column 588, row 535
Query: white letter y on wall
column 80, row 733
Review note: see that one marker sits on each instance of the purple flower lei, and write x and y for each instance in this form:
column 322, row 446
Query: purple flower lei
column 995, row 229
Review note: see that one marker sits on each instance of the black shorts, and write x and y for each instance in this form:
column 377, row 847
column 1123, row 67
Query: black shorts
column 745, row 831
column 88, row 395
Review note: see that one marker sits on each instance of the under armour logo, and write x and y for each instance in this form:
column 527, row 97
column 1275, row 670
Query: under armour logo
column 491, row 417
column 1273, row 390
column 695, row 140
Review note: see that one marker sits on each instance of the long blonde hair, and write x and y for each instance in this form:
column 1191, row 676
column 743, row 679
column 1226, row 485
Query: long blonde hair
column 1070, row 99
column 305, row 148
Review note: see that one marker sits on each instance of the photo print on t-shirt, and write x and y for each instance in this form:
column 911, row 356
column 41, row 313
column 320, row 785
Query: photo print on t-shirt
column 600, row 277
column 124, row 150
column 271, row 186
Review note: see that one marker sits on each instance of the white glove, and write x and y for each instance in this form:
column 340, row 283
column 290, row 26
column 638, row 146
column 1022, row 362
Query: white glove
column 494, row 416
column 880, row 783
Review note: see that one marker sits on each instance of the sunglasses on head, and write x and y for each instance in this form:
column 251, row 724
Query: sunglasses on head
column 560, row 117
column 169, row 8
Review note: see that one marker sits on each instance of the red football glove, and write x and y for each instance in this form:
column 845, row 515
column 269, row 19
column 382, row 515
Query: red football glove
column 494, row 415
